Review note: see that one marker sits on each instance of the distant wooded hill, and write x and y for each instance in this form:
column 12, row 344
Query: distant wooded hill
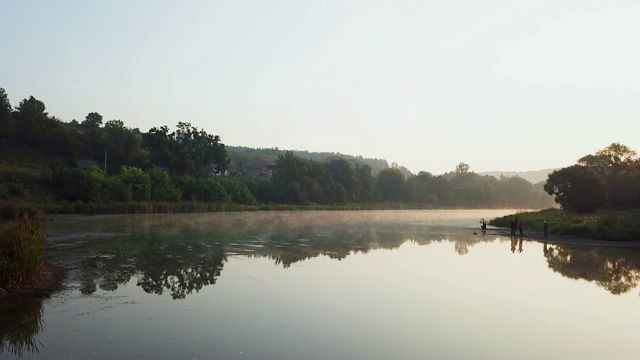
column 533, row 176
column 243, row 158
column 246, row 158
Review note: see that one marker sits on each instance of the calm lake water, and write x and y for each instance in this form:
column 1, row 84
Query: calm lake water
column 325, row 285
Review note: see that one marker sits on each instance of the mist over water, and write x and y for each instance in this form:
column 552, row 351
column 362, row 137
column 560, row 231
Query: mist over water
column 66, row 225
column 324, row 285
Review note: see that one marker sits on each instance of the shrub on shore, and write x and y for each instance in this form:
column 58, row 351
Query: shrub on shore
column 22, row 245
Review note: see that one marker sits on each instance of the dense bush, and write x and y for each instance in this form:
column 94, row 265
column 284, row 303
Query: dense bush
column 211, row 190
column 21, row 252
column 238, row 190
column 116, row 190
column 137, row 181
column 84, row 184
column 162, row 187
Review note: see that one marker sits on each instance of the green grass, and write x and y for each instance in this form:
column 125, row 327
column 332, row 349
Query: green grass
column 618, row 225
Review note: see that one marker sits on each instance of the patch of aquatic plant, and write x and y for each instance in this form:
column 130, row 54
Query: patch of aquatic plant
column 21, row 252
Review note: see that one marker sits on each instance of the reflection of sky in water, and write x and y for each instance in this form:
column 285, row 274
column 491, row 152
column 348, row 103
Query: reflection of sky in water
column 415, row 299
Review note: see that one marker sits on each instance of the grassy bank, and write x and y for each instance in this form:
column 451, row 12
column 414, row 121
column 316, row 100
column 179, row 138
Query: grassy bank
column 611, row 225
column 21, row 253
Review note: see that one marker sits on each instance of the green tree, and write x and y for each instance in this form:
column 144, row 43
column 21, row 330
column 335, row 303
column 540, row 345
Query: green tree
column 84, row 184
column 5, row 105
column 464, row 187
column 116, row 190
column 207, row 151
column 462, row 168
column 32, row 109
column 624, row 190
column 514, row 191
column 166, row 152
column 422, row 189
column 390, row 185
column 211, row 190
column 34, row 128
column 320, row 186
column 92, row 120
column 291, row 179
column 487, row 187
column 206, row 189
column 6, row 120
column 577, row 188
column 610, row 161
column 346, row 186
column 162, row 186
column 123, row 145
column 237, row 189
column 188, row 186
column 366, row 180
column 618, row 167
column 138, row 181
column 32, row 119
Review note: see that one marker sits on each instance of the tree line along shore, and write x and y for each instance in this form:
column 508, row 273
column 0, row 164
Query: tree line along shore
column 87, row 167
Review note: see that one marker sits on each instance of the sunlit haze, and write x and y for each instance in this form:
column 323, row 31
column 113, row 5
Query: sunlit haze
column 509, row 85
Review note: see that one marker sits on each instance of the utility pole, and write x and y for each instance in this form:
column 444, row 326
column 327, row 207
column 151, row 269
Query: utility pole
column 105, row 161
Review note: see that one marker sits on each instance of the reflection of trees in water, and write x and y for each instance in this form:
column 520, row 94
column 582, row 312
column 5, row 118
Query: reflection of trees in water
column 187, row 263
column 178, row 268
column 181, row 254
column 186, row 260
column 462, row 247
column 615, row 269
column 336, row 242
column 287, row 248
column 106, row 270
column 20, row 324
column 462, row 242
column 181, row 269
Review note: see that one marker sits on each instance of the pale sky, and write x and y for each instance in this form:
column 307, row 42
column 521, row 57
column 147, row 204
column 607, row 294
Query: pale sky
column 500, row 85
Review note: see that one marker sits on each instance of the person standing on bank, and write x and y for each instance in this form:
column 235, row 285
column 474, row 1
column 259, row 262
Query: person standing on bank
column 545, row 228
column 514, row 223
column 521, row 227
